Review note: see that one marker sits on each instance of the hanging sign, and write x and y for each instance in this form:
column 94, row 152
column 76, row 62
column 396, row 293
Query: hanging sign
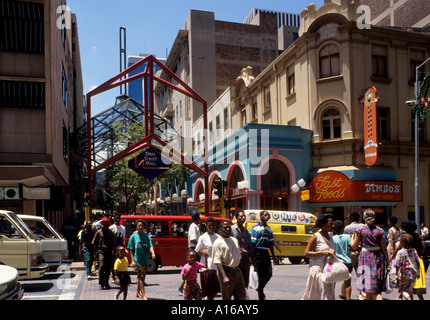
column 150, row 164
column 369, row 100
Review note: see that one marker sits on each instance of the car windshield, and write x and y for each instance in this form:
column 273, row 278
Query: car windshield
column 42, row 229
column 22, row 226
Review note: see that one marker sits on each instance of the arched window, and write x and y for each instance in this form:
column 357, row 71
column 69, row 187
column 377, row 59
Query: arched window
column 275, row 186
column 329, row 61
column 237, row 197
column 331, row 127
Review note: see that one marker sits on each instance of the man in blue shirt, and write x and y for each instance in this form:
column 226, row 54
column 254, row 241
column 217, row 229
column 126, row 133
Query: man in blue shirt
column 263, row 240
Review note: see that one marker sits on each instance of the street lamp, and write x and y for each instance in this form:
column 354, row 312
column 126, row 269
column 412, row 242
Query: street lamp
column 417, row 153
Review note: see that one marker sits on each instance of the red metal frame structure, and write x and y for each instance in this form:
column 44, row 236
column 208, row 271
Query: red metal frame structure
column 149, row 79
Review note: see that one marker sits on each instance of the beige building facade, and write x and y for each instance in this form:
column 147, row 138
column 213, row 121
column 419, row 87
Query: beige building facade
column 317, row 83
column 41, row 106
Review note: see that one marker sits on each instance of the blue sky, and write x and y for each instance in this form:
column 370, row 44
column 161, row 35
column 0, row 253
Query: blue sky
column 151, row 26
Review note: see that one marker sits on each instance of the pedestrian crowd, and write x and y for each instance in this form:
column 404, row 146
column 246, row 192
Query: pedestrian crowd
column 362, row 248
column 225, row 259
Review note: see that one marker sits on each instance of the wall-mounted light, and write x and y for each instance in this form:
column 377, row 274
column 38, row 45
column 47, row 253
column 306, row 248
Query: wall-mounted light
column 300, row 184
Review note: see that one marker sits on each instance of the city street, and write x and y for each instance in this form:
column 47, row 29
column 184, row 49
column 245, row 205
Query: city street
column 288, row 283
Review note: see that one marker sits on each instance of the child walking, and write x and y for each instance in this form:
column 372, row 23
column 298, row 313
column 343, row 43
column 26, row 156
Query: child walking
column 407, row 266
column 192, row 289
column 121, row 272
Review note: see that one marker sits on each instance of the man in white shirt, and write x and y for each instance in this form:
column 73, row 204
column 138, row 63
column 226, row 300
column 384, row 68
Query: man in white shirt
column 194, row 230
column 208, row 278
column 226, row 255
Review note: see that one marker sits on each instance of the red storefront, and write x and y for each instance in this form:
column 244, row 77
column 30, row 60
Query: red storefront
column 333, row 191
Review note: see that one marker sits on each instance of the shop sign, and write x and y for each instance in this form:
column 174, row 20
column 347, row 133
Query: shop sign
column 333, row 186
column 369, row 100
column 150, row 164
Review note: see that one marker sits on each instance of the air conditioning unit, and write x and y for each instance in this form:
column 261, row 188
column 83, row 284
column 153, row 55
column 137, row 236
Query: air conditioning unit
column 9, row 193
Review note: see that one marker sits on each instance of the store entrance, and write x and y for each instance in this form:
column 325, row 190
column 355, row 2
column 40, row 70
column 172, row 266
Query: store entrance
column 337, row 212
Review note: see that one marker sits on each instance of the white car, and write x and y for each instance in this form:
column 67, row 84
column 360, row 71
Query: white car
column 54, row 247
column 10, row 288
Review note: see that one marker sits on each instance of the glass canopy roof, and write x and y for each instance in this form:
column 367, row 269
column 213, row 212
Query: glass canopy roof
column 126, row 112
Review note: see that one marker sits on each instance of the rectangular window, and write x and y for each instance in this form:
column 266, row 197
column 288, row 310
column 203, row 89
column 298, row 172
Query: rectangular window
column 267, row 98
column 379, row 61
column 379, row 66
column 22, row 94
column 330, row 65
column 288, row 229
column 64, row 87
column 243, row 117
column 412, row 71
column 180, row 229
column 22, row 27
column 254, row 111
column 211, row 134
column 226, row 120
column 383, row 123
column 158, row 228
column 326, row 130
column 65, row 148
column 291, row 84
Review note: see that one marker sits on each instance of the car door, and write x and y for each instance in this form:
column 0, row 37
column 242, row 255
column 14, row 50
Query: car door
column 13, row 246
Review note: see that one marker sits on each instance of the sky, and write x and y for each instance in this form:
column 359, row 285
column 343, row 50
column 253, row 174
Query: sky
column 151, row 28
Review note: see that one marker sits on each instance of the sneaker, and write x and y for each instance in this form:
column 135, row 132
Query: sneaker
column 181, row 291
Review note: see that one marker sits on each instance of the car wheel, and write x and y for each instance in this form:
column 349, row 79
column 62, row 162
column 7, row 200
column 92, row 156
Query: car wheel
column 153, row 266
column 295, row 260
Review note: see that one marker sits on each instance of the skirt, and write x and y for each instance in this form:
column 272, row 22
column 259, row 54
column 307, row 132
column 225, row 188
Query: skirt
column 371, row 272
column 420, row 284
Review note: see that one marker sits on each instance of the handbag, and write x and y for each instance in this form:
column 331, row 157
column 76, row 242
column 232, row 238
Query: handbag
column 389, row 282
column 253, row 279
column 335, row 270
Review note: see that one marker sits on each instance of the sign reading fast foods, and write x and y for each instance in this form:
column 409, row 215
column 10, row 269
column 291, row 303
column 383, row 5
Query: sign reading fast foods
column 334, row 186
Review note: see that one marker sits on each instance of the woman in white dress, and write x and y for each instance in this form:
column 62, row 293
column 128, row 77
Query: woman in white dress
column 394, row 234
column 320, row 246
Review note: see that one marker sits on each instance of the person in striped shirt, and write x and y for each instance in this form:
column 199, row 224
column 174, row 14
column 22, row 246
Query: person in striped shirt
column 263, row 240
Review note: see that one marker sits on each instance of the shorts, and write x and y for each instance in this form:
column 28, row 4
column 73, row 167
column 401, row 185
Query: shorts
column 124, row 278
column 140, row 268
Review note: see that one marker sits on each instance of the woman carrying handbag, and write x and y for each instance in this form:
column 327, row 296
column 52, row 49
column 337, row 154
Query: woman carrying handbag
column 319, row 248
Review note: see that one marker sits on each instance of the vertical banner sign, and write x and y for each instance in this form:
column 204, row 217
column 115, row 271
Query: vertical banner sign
column 369, row 100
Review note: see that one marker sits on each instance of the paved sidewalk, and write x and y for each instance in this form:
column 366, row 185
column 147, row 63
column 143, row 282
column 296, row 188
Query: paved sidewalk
column 288, row 283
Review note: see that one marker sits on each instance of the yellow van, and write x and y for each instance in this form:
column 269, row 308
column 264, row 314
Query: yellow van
column 292, row 231
column 20, row 247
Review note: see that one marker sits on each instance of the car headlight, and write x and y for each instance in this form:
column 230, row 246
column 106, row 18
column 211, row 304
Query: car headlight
column 35, row 259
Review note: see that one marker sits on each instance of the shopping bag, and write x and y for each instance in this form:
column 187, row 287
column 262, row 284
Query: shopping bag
column 389, row 285
column 253, row 279
column 335, row 270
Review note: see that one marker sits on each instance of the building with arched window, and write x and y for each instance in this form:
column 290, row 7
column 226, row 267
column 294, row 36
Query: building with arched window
column 259, row 163
column 317, row 83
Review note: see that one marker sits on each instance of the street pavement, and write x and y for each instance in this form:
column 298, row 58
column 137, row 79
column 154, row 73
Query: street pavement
column 288, row 283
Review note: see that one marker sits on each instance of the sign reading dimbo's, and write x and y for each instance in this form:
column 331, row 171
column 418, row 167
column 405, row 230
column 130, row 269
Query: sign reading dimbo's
column 334, row 186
